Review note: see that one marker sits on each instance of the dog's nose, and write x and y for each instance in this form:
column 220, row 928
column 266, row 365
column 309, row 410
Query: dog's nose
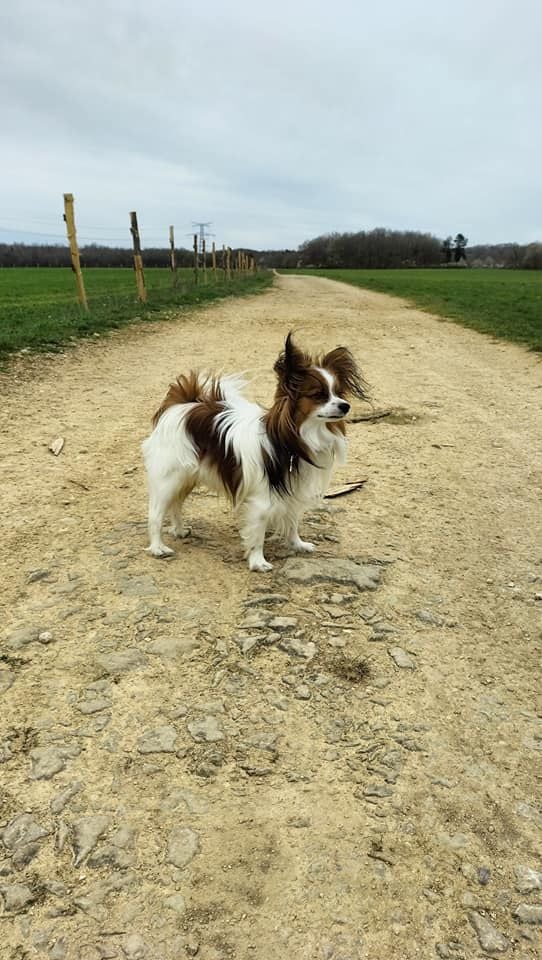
column 343, row 406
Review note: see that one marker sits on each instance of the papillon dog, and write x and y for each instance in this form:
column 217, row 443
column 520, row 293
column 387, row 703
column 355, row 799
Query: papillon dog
column 272, row 463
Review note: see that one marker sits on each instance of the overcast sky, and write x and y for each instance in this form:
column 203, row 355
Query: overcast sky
column 277, row 121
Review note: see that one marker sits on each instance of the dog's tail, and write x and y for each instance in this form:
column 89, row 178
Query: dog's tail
column 196, row 387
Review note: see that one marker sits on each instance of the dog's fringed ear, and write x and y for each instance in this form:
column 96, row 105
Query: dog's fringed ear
column 291, row 365
column 342, row 365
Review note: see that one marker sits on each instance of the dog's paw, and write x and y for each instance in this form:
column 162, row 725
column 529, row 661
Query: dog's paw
column 160, row 551
column 261, row 566
column 180, row 532
column 303, row 546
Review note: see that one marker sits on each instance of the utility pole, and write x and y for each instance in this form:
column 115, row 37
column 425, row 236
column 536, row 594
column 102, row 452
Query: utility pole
column 202, row 235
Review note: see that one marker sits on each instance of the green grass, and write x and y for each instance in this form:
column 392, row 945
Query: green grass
column 504, row 303
column 39, row 309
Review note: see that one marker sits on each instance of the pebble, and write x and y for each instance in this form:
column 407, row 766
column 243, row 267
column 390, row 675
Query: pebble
column 246, row 644
column 299, row 648
column 206, row 729
column 48, row 761
column 302, row 692
column 484, row 876
column 158, row 740
column 122, row 661
column 87, row 832
column 93, row 705
column 281, row 624
column 59, row 950
column 143, row 586
column 527, row 879
column 23, row 855
column 489, row 938
column 172, row 647
column 426, row 616
column 22, row 830
column 58, row 803
column 22, row 637
column 528, row 812
column 528, row 913
column 35, row 575
column 134, row 947
column 183, row 845
column 17, row 896
column 377, row 790
column 176, row 903
column 452, row 950
column 401, row 658
column 266, row 599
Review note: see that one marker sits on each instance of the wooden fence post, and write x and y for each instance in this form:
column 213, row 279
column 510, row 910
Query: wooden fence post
column 138, row 259
column 228, row 263
column 204, row 259
column 74, row 249
column 172, row 258
column 195, row 258
column 224, row 261
column 213, row 254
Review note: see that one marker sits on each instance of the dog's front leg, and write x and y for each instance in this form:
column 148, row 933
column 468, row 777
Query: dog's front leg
column 295, row 542
column 255, row 518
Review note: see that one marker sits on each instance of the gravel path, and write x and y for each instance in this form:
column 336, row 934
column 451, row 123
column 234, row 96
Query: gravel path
column 192, row 757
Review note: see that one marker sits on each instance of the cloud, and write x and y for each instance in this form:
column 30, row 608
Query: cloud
column 275, row 122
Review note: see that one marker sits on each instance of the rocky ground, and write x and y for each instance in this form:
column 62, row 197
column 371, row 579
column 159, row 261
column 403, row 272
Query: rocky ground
column 339, row 760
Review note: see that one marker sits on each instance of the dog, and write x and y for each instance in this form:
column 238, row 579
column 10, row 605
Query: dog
column 272, row 463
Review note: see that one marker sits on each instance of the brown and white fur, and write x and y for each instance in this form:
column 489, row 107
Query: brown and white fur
column 273, row 464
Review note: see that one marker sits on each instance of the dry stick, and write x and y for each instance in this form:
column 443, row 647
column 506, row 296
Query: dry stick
column 74, row 249
column 172, row 258
column 349, row 488
column 195, row 258
column 138, row 260
column 367, row 417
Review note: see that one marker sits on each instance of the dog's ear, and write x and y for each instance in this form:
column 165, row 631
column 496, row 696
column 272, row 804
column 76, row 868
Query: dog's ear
column 291, row 365
column 342, row 365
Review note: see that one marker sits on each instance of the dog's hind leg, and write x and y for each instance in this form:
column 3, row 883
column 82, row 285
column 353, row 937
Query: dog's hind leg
column 178, row 527
column 163, row 491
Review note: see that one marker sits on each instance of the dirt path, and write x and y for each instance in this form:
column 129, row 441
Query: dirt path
column 185, row 774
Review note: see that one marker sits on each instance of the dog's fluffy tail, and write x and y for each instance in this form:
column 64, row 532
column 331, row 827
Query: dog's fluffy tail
column 196, row 387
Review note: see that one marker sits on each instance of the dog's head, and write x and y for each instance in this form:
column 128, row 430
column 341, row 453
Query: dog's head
column 318, row 388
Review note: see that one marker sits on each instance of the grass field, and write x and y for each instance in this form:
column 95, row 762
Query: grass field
column 504, row 303
column 39, row 309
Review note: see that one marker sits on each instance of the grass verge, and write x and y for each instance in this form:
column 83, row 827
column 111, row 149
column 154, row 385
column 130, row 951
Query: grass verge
column 39, row 311
column 504, row 303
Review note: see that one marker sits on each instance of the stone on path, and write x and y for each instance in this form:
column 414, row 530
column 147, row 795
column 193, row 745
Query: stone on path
column 183, row 845
column 489, row 938
column 364, row 576
column 402, row 659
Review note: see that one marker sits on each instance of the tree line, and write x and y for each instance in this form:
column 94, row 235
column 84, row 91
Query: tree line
column 94, row 255
column 371, row 249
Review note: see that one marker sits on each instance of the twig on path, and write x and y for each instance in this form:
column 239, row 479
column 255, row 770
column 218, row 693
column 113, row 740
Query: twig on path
column 78, row 483
column 368, row 417
column 349, row 488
